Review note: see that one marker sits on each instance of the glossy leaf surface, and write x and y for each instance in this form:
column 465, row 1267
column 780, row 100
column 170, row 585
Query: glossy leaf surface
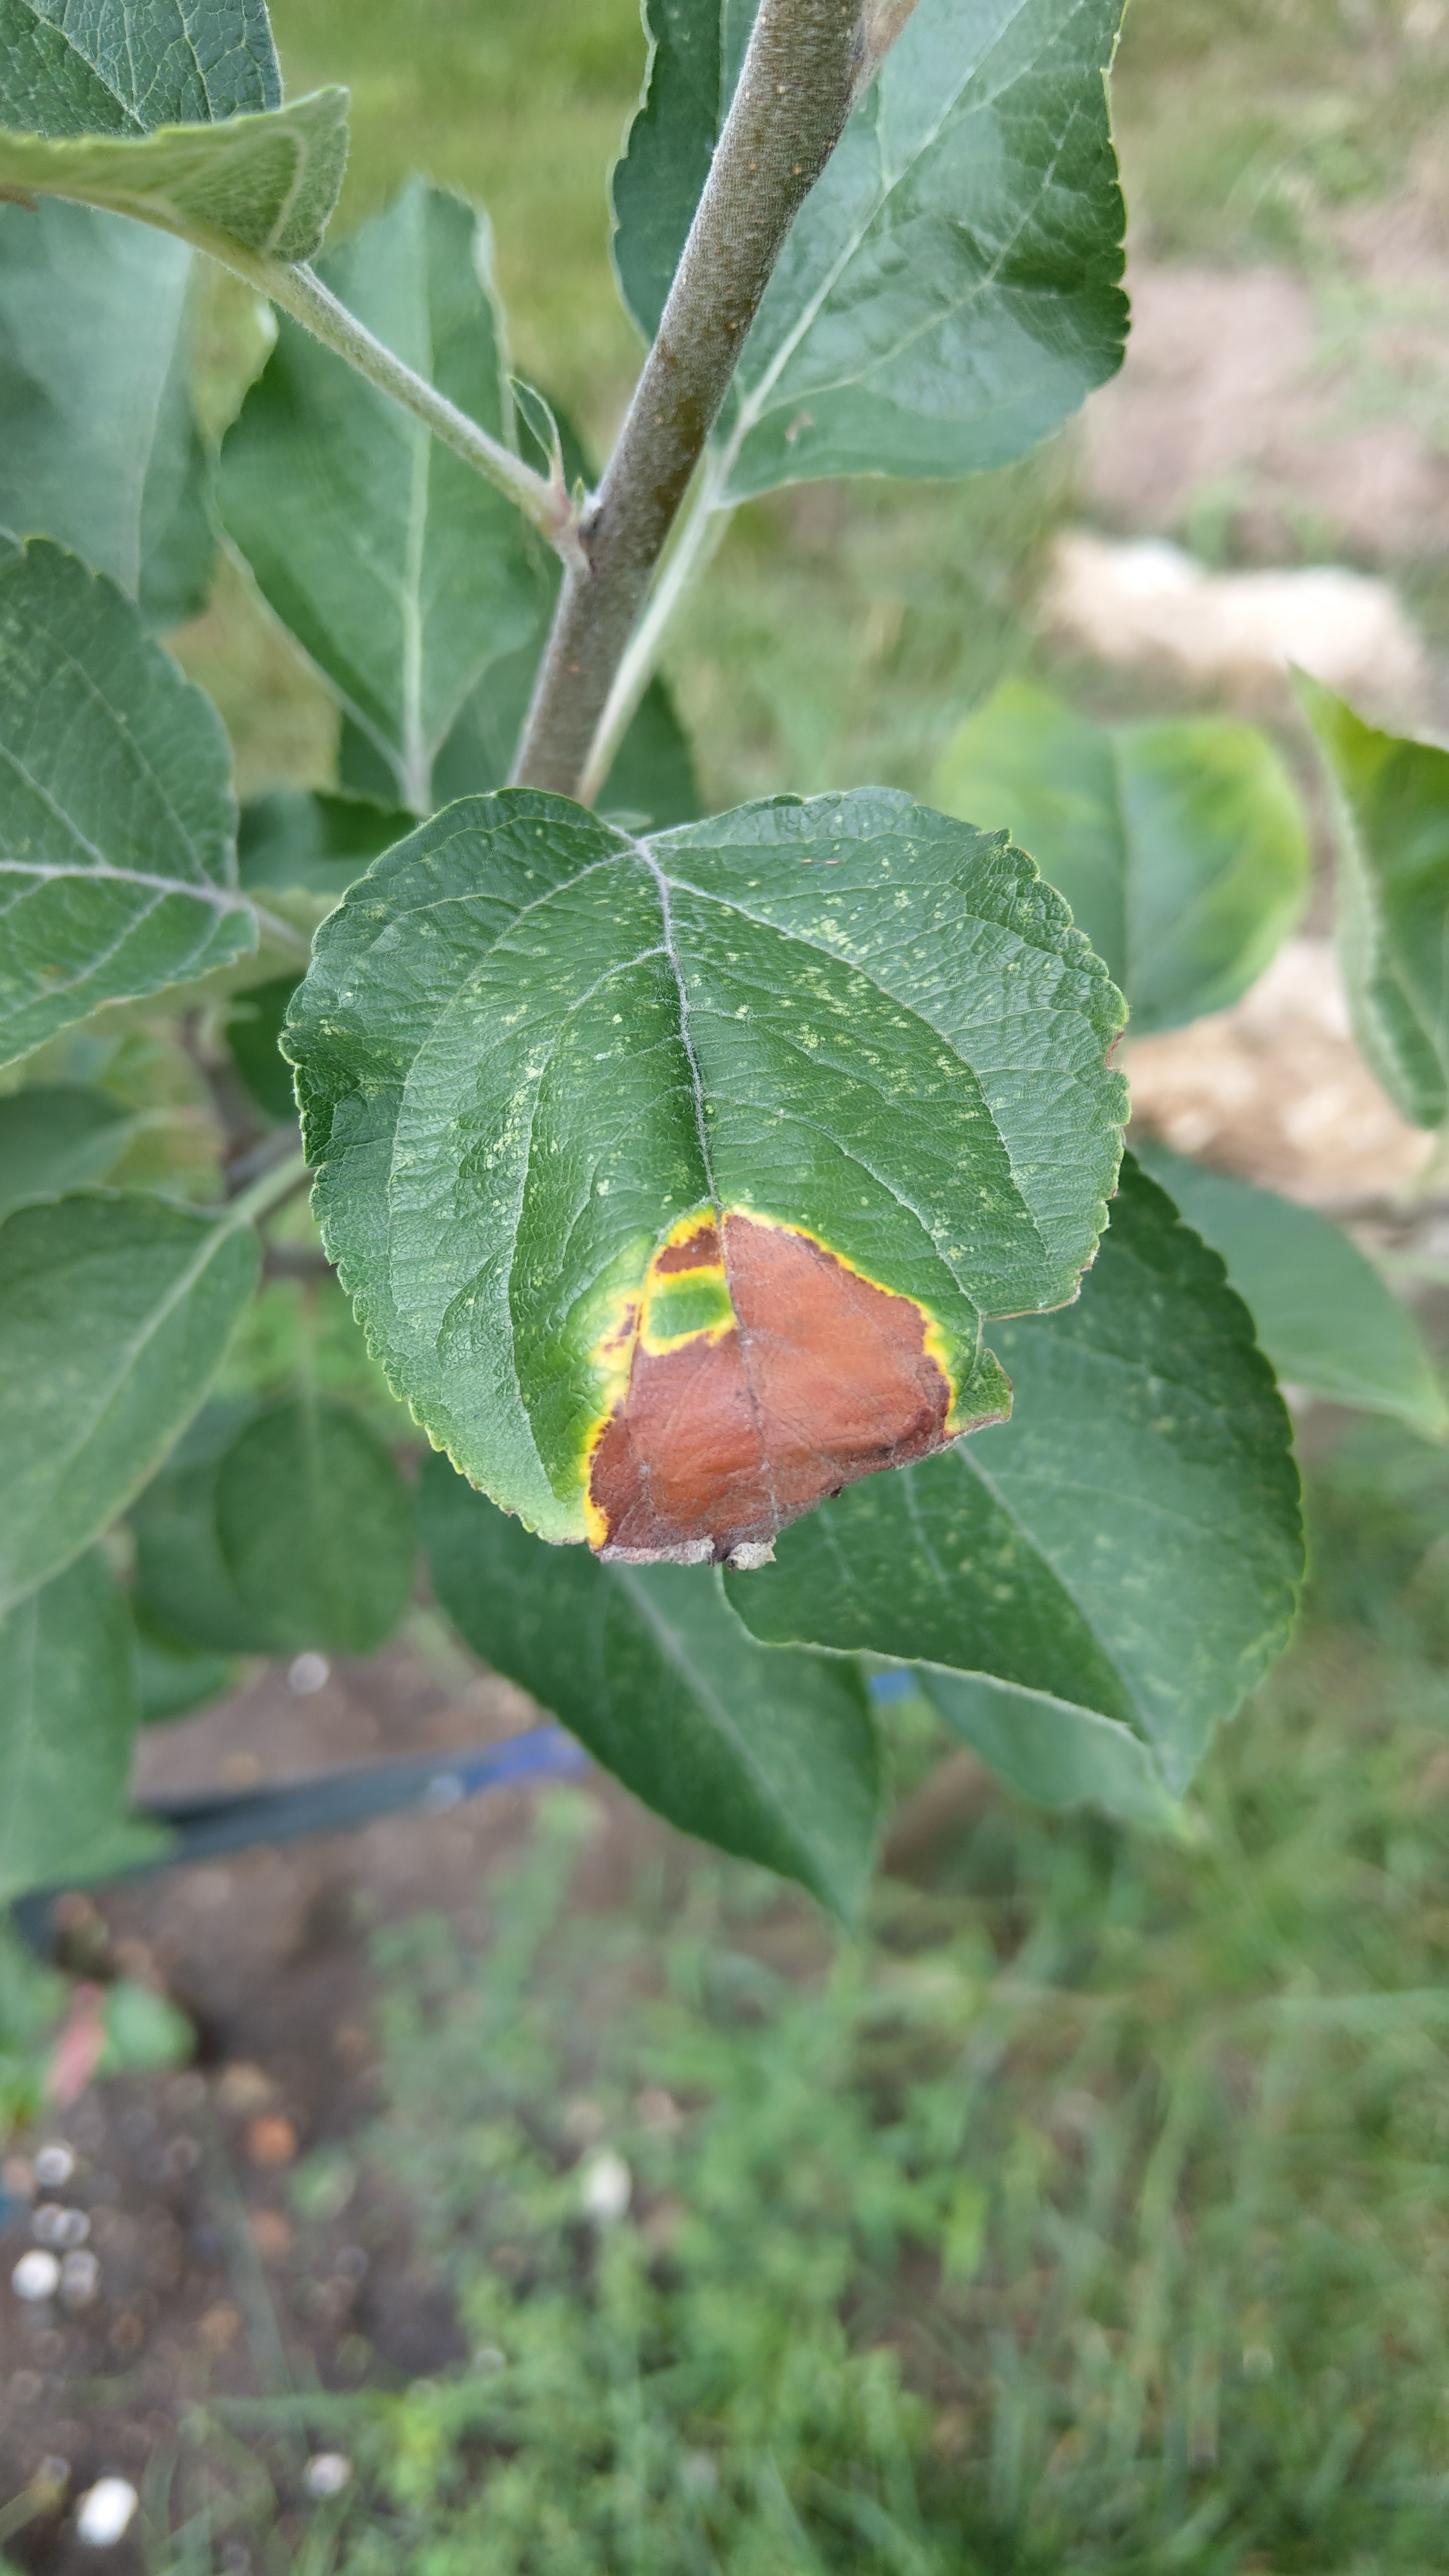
column 949, row 292
column 55, row 1138
column 1181, row 848
column 768, row 1755
column 1392, row 801
column 1325, row 1317
column 402, row 572
column 263, row 185
column 117, row 867
column 68, row 1718
column 1129, row 1541
column 126, row 66
column 98, row 445
column 1056, row 1754
column 538, row 1061
column 315, row 1527
column 115, row 1313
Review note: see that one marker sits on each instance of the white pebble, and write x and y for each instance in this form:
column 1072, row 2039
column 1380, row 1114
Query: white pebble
column 54, row 2165
column 308, row 1673
column 608, row 2185
column 327, row 2474
column 36, row 2276
column 80, row 2278
column 54, row 2225
column 105, row 2512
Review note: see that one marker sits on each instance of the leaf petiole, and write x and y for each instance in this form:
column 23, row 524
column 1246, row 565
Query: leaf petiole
column 300, row 292
column 282, row 1182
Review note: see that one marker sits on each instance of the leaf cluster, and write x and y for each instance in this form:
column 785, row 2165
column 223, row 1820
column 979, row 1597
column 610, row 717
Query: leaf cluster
column 733, row 1201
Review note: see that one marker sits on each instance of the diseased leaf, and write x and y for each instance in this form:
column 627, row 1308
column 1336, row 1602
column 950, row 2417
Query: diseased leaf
column 1392, row 804
column 262, row 185
column 1129, row 1541
column 117, row 869
column 182, row 1585
column 544, row 1068
column 98, row 445
column 68, row 1718
column 771, row 1756
column 400, row 570
column 1325, row 1317
column 127, row 66
column 54, row 1139
column 696, row 49
column 1055, row 1753
column 949, row 291
column 253, row 1027
column 1181, row 848
column 115, row 1314
column 316, row 1529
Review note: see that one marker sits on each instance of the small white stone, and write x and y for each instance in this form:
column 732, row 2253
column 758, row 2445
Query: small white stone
column 52, row 2224
column 105, row 2512
column 54, row 2165
column 80, row 2278
column 308, row 1673
column 36, row 2276
column 608, row 2186
column 327, row 2474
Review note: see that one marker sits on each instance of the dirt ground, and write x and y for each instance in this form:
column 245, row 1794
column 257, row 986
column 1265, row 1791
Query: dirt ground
column 208, row 2284
column 1244, row 393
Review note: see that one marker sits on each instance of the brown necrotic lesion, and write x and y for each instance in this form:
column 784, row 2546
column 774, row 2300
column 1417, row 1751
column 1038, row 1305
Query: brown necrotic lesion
column 766, row 1373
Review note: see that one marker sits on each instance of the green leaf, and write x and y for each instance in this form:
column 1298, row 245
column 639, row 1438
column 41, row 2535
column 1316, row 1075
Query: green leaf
column 652, row 780
column 401, row 571
column 316, row 1529
column 126, row 66
column 696, row 49
column 115, row 1313
column 1129, row 1542
column 771, row 1756
column 264, row 186
column 539, row 1061
column 949, row 292
column 182, row 1586
column 54, row 1139
column 68, row 1718
column 1326, row 1319
column 144, row 2030
column 174, row 1677
column 293, row 841
column 98, row 445
column 1181, row 848
column 1391, row 799
column 253, row 1027
column 117, row 871
column 1055, row 1753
